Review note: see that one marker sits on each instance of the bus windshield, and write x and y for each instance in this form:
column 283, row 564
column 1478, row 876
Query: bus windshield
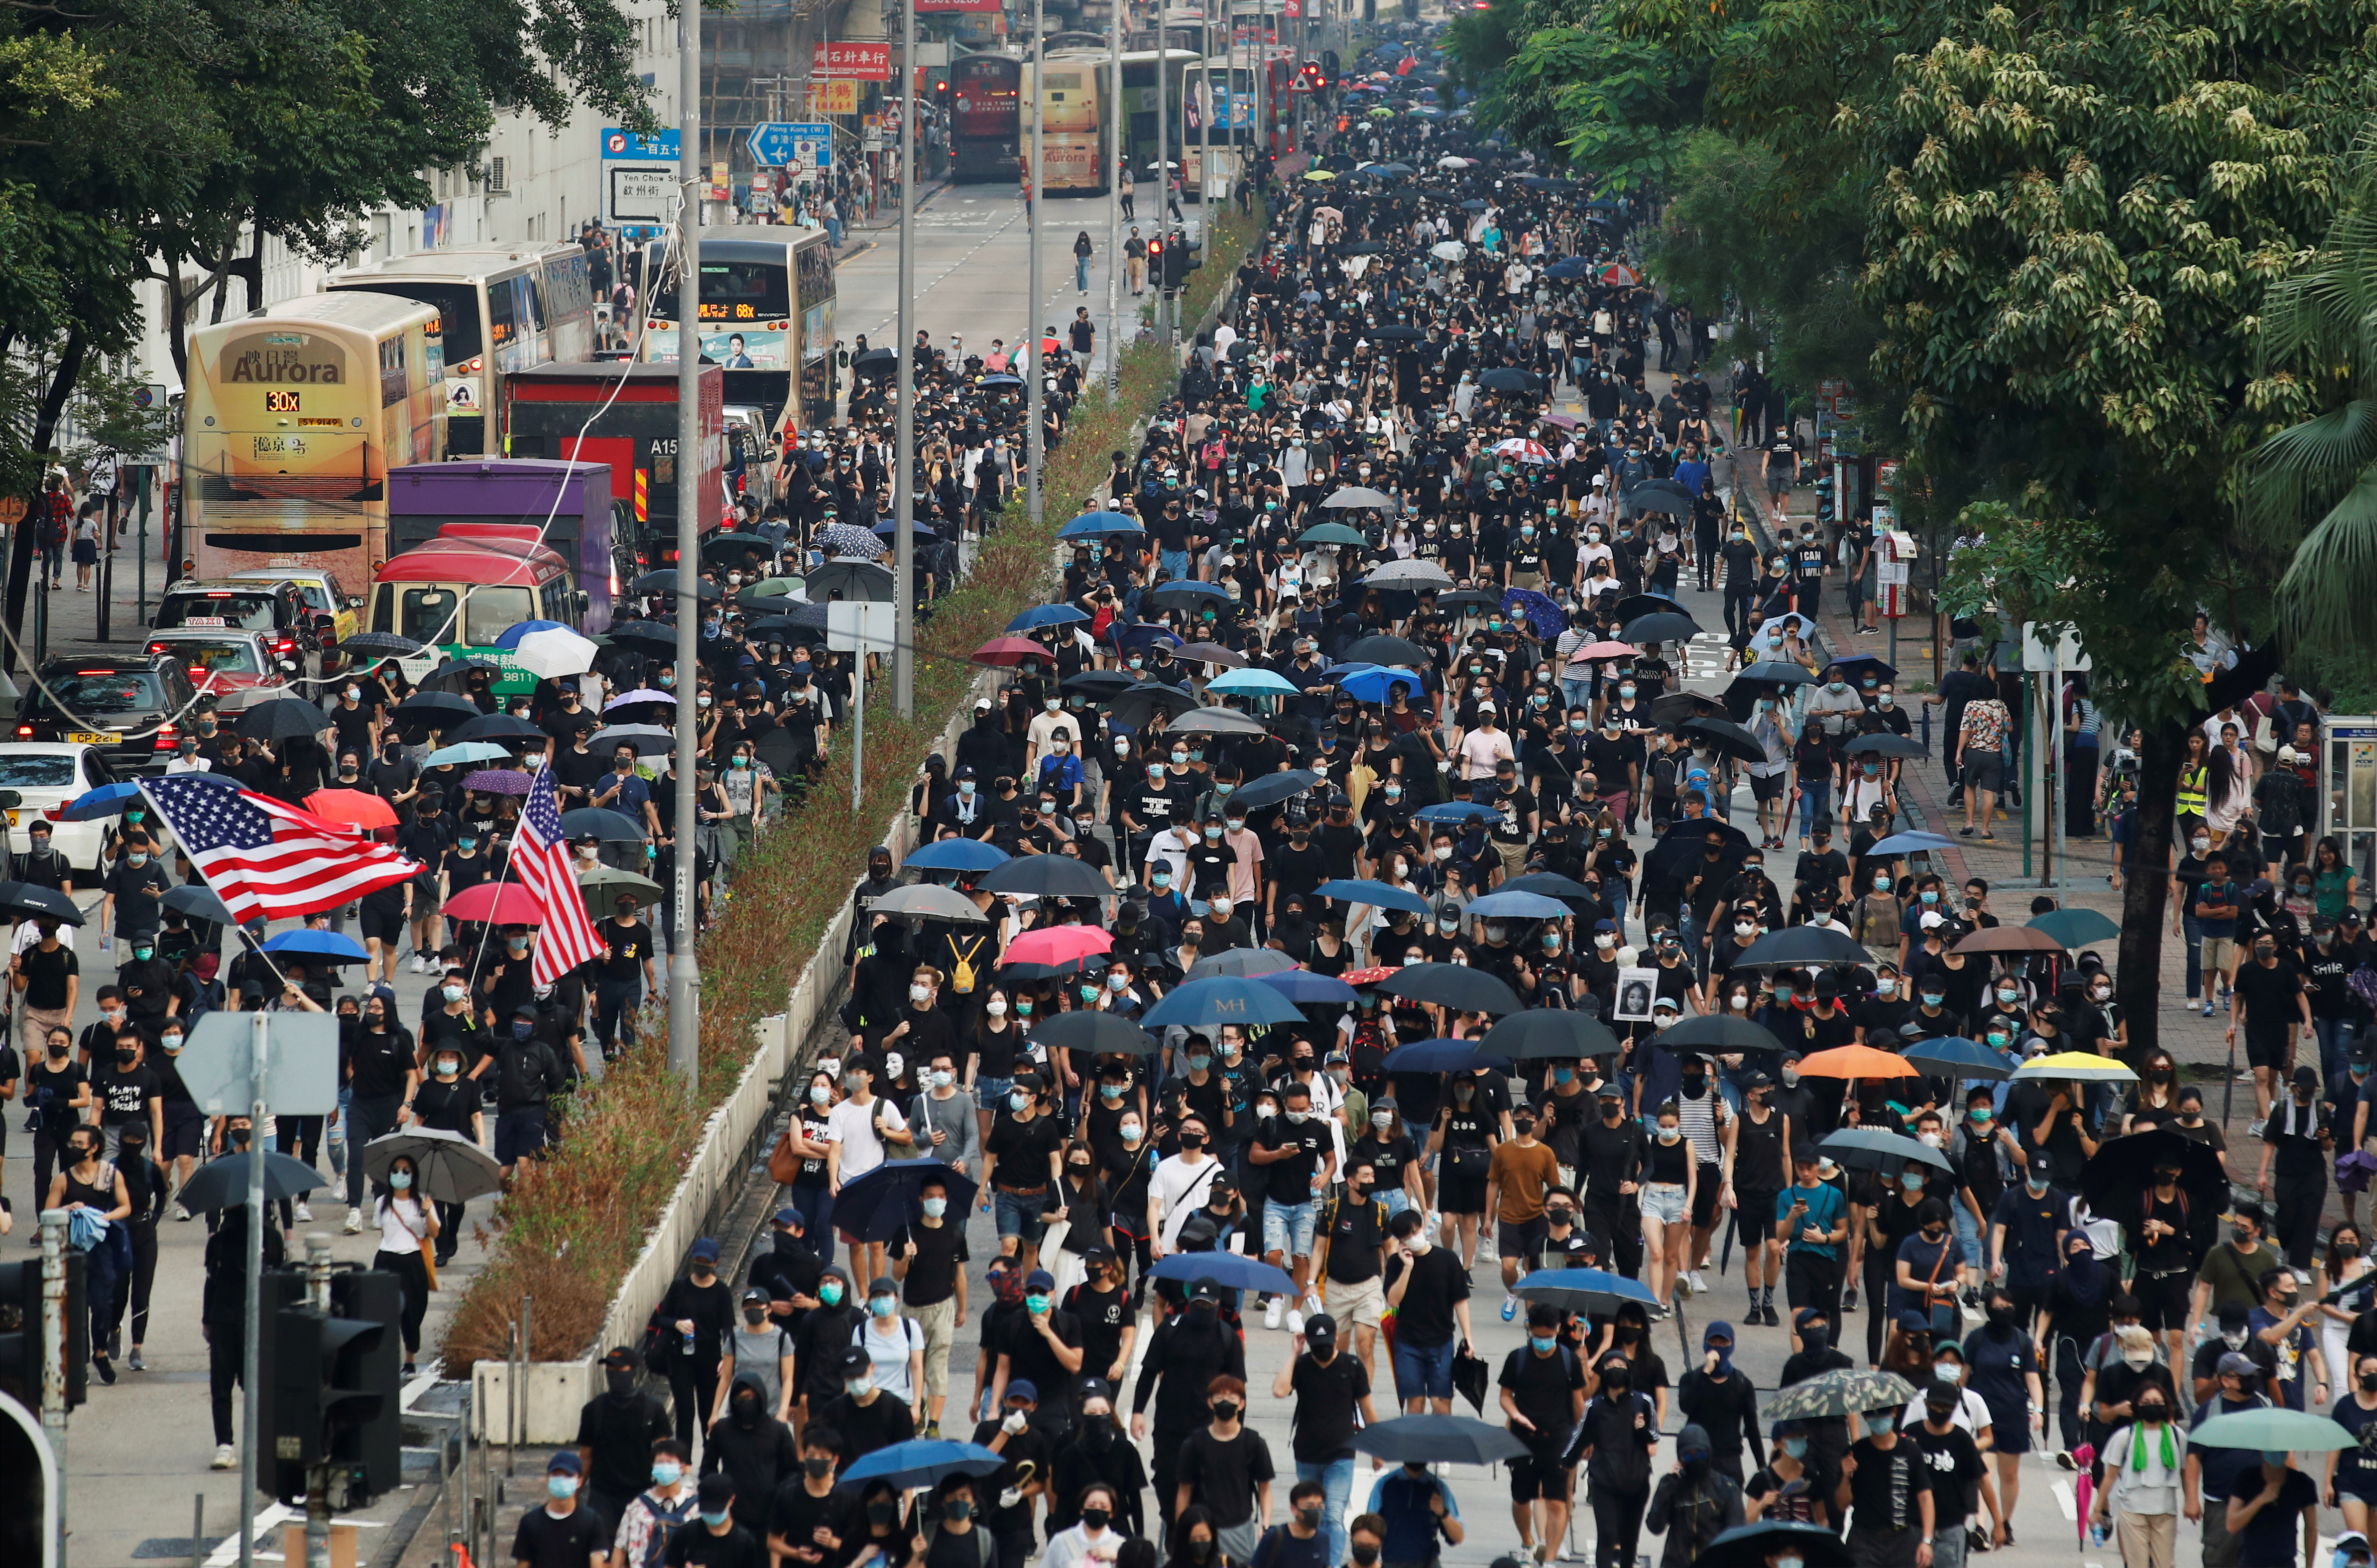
column 426, row 613
column 735, row 291
column 458, row 311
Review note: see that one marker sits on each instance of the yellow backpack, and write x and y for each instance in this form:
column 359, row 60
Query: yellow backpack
column 962, row 973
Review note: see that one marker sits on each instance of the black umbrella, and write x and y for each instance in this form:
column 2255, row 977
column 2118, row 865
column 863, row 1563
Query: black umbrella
column 1272, row 789
column 1725, row 738
column 1554, row 1032
column 1099, row 685
column 382, row 645
column 1455, row 985
column 1719, row 1034
column 454, row 673
column 1677, row 707
column 1662, row 628
column 499, row 727
column 1653, row 499
column 1752, row 1546
column 875, row 361
column 1635, row 606
column 1186, row 595
column 1049, row 876
column 431, row 707
column 1384, row 650
column 284, row 718
column 1100, row 1034
column 32, row 902
column 1775, row 672
column 1884, row 745
column 665, row 581
column 2115, row 1182
column 1551, row 884
column 1468, row 599
column 1677, row 857
column 797, row 621
column 1796, row 945
column 199, row 903
column 725, row 547
column 1509, row 380
column 1445, row 1440
column 1397, row 334
column 597, row 821
column 655, row 636
column 1133, row 705
column 861, row 581
column 222, row 1183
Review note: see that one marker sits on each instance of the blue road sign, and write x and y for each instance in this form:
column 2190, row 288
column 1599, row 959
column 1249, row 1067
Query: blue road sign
column 779, row 143
column 660, row 149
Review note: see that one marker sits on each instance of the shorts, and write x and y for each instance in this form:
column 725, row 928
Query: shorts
column 2273, row 1051
column 186, row 1133
column 1984, row 770
column 1778, row 484
column 1018, row 1213
column 426, row 905
column 1757, row 1212
column 1359, row 1304
column 519, row 1134
column 1523, row 1239
column 991, row 1092
column 1461, row 1195
column 1539, row 1473
column 2218, row 953
column 1287, row 1227
column 1663, row 1201
column 1527, row 579
column 1767, row 788
column 1706, row 1189
column 381, row 924
column 2162, row 1298
column 1425, row 1372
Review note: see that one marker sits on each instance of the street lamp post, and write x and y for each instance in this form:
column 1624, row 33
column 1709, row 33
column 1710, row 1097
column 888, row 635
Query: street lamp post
column 684, row 978
column 1036, row 204
column 903, row 485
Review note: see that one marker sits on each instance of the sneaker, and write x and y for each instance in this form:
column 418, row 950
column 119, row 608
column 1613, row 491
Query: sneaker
column 2253, row 1128
column 1848, row 1299
column 1699, row 1286
column 181, row 1214
column 933, row 1431
column 302, row 1211
column 105, row 1369
column 2063, row 1460
column 420, row 964
column 2207, row 1009
column 1510, row 1307
column 226, row 1457
column 1767, row 1315
column 1295, row 1320
column 355, row 1226
column 136, row 1363
column 1272, row 1311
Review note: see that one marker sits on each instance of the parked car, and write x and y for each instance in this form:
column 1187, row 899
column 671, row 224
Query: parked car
column 131, row 708
column 46, row 774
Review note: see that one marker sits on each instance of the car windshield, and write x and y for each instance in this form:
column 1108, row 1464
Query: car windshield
column 248, row 612
column 38, row 770
column 228, row 655
column 105, row 691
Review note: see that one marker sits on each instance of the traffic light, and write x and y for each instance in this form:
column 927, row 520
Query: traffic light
column 1176, row 260
column 1157, row 267
column 1309, row 78
column 333, row 1382
column 20, row 1331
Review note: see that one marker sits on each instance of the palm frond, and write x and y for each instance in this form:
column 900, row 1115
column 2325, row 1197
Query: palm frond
column 2328, row 589
column 2302, row 470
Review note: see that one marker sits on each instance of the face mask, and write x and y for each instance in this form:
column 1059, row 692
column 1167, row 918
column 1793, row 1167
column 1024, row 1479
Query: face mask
column 561, row 1488
column 665, row 1472
column 1881, row 1425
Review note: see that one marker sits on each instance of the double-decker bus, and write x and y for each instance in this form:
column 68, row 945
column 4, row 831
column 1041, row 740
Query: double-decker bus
column 505, row 307
column 626, row 416
column 767, row 305
column 985, row 110
column 296, row 415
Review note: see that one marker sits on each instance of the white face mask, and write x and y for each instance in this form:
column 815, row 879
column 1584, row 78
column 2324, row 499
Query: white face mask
column 920, row 995
column 997, row 1007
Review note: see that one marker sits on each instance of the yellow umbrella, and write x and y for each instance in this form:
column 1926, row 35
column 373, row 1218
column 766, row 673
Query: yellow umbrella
column 1318, row 175
column 2087, row 1066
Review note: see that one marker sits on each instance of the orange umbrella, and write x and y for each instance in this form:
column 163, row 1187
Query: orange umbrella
column 351, row 807
column 1857, row 1061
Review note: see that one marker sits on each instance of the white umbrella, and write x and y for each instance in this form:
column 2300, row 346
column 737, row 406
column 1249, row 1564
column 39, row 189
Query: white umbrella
column 452, row 1169
column 1412, row 573
column 1451, row 161
column 553, row 654
column 1447, row 250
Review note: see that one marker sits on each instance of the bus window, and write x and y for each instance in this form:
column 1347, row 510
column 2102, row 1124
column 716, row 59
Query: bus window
column 504, row 327
column 457, row 312
column 736, row 291
column 491, row 612
column 558, row 600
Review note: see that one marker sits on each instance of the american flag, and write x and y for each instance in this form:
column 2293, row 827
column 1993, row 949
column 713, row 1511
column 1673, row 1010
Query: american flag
column 264, row 859
column 541, row 859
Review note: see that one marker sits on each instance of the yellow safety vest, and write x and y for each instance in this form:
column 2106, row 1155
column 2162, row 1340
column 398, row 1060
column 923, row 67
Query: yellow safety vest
column 2193, row 799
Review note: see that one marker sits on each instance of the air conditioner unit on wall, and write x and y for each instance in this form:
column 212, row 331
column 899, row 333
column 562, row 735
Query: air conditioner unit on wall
column 498, row 177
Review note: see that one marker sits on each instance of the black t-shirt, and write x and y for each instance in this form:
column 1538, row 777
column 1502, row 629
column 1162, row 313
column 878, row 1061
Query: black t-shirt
column 1030, row 1357
column 123, row 1093
column 1023, row 1148
column 1355, row 1233
column 933, row 1272
column 1102, row 1315
column 1222, row 1474
column 2270, row 997
column 1887, row 1482
column 798, row 1516
column 1956, row 1464
column 865, row 1428
column 543, row 1541
column 1327, row 1403
column 630, row 946
column 1438, row 1282
column 695, row 1547
column 1541, row 1386
column 1290, row 1180
column 46, row 975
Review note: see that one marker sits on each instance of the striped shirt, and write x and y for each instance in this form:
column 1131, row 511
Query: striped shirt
column 1701, row 1118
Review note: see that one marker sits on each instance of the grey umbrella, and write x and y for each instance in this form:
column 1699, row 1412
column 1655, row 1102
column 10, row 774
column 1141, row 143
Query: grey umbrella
column 929, row 900
column 1356, row 497
column 448, row 1167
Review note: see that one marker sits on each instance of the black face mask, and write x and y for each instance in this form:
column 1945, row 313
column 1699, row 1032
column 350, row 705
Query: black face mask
column 1366, row 1555
column 1097, row 1518
column 882, row 1511
column 818, row 1469
column 746, row 1411
column 1614, row 1380
column 2000, row 1317
column 621, row 1383
column 1815, row 1337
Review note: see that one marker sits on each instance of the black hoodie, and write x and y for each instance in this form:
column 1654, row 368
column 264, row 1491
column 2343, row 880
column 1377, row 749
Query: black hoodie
column 754, row 1448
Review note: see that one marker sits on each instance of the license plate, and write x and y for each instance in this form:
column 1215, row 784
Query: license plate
column 94, row 737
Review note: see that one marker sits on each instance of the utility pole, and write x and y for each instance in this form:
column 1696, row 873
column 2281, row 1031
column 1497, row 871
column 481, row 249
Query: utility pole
column 1205, row 120
column 318, row 1479
column 1033, row 207
column 684, row 980
column 903, row 541
column 1118, row 117
column 251, row 1396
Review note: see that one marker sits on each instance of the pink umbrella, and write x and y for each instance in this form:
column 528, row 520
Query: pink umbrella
column 1057, row 944
column 1009, row 650
column 1525, row 451
column 2083, row 1456
column 1603, row 651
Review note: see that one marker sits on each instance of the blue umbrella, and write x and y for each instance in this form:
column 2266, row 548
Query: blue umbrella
column 1908, row 843
column 956, row 855
column 1039, row 615
column 1457, row 813
column 1584, row 1290
column 1227, row 1269
column 107, row 800
column 1378, row 895
column 1567, row 272
column 1000, row 379
column 319, row 944
column 1519, row 907
column 1436, row 1056
column 1142, row 636
column 1544, row 616
column 1874, row 1148
column 1201, row 1005
column 1369, row 683
column 1956, row 1058
column 513, row 634
column 874, row 1206
column 1095, row 525
column 922, row 1462
column 1305, row 988
column 465, row 754
column 1252, row 683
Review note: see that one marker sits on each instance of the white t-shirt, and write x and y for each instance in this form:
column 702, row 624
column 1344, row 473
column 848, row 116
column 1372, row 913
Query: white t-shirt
column 1178, row 1190
column 852, row 1125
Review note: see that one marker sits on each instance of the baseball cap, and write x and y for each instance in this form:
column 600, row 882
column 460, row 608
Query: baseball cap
column 564, row 1461
column 1017, row 1388
column 705, row 1247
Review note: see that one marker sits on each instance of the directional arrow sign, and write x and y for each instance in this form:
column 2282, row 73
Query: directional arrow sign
column 773, row 143
column 780, row 143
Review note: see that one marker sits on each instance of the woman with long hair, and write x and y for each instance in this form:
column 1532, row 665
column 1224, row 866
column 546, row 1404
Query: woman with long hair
column 1387, row 1147
column 405, row 1220
column 2155, row 1101
column 1463, row 1142
column 2194, row 802
column 2347, row 1261
column 1669, row 1174
column 2335, row 887
column 2229, row 773
column 993, row 1047
column 808, row 1136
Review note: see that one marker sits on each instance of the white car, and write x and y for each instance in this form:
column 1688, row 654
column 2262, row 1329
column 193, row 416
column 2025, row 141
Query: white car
column 46, row 773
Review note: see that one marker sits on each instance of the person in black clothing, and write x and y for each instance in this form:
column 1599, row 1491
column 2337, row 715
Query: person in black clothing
column 1609, row 1153
column 1043, row 1346
column 823, row 1333
column 1721, row 1399
column 1188, row 1351
column 528, row 1073
column 698, row 1311
column 564, row 1533
column 1828, row 1436
column 721, row 1535
column 1616, row 1437
column 1098, row 1456
column 1028, row 1454
column 1696, row 1501
column 1543, row 1398
column 617, row 1430
column 222, row 1309
column 380, row 1077
column 809, row 1512
column 145, row 1182
column 752, row 1451
column 867, row 1418
column 1953, row 1455
column 1887, row 1479
column 1331, row 1389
